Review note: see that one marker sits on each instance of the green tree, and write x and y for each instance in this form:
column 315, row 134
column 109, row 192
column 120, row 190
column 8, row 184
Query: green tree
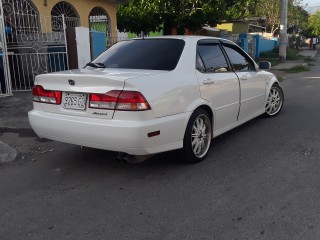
column 190, row 14
column 239, row 9
column 314, row 23
column 270, row 9
column 297, row 15
column 138, row 15
column 143, row 15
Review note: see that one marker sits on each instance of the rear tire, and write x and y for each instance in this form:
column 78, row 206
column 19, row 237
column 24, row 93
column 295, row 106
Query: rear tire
column 197, row 138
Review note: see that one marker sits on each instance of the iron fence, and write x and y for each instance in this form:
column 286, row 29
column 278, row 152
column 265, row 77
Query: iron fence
column 31, row 44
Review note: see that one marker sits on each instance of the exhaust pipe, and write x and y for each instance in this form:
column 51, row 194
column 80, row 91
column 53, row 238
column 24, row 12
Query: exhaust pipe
column 125, row 157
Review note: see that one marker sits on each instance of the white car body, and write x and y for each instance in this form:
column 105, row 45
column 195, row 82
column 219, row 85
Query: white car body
column 173, row 96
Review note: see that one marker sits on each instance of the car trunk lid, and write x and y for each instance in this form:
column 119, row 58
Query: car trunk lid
column 77, row 85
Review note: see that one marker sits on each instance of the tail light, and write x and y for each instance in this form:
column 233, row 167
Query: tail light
column 104, row 101
column 119, row 100
column 46, row 96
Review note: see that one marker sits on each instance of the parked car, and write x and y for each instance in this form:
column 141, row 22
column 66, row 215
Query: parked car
column 146, row 96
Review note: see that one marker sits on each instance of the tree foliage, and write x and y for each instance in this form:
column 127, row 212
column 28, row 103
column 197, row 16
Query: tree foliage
column 297, row 15
column 138, row 15
column 270, row 9
column 143, row 15
column 152, row 15
column 239, row 9
column 314, row 23
column 191, row 14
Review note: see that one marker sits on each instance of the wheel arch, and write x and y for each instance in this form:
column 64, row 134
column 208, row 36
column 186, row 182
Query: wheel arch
column 208, row 110
column 197, row 139
column 272, row 81
column 206, row 106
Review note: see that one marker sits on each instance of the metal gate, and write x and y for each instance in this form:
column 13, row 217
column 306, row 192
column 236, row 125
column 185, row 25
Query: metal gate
column 31, row 44
column 5, row 83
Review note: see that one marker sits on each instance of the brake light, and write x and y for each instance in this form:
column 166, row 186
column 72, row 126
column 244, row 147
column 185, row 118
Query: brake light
column 132, row 101
column 46, row 96
column 119, row 100
column 104, row 101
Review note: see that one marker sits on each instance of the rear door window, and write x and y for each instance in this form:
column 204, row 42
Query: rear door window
column 213, row 59
column 150, row 54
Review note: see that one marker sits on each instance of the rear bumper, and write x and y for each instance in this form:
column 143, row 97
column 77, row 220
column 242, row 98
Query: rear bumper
column 115, row 135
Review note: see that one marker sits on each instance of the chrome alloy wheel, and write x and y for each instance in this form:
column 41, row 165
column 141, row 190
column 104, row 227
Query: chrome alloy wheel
column 274, row 101
column 201, row 136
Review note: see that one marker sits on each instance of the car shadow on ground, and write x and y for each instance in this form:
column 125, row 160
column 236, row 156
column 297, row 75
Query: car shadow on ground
column 103, row 158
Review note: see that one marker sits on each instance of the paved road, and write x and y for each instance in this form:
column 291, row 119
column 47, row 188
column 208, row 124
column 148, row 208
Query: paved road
column 261, row 181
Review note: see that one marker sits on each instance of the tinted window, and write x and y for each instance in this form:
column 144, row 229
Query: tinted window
column 153, row 54
column 199, row 64
column 239, row 61
column 213, row 58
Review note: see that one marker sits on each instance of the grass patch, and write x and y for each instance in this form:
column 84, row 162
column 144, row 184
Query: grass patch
column 269, row 54
column 273, row 62
column 293, row 54
column 297, row 69
column 273, row 56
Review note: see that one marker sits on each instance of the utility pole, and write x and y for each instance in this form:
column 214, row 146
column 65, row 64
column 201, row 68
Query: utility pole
column 283, row 31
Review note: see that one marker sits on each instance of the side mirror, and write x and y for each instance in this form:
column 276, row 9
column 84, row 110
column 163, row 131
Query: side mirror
column 264, row 65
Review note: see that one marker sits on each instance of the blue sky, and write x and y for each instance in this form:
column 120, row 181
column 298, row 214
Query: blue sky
column 312, row 2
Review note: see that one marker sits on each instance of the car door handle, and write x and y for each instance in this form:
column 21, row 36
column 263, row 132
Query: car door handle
column 208, row 81
column 243, row 78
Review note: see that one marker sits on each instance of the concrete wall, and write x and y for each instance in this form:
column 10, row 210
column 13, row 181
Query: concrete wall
column 234, row 27
column 263, row 45
column 260, row 44
column 83, row 7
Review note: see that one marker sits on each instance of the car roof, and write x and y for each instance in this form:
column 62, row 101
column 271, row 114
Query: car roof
column 186, row 37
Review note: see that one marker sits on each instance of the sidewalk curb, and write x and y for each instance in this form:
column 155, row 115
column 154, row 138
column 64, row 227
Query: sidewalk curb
column 312, row 55
column 7, row 154
column 288, row 65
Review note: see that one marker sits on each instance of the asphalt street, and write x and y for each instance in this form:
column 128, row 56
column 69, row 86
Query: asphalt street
column 260, row 181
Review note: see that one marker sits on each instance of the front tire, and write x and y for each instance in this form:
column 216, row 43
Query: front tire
column 274, row 102
column 197, row 138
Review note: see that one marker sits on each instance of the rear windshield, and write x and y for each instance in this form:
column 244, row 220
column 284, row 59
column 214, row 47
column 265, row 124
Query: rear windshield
column 151, row 54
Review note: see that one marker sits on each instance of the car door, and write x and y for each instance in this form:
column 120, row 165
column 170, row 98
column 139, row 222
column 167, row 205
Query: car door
column 218, row 83
column 252, row 82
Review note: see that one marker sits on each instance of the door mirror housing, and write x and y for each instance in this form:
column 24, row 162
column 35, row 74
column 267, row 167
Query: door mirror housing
column 264, row 65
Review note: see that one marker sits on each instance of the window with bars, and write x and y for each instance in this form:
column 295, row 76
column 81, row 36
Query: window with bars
column 70, row 14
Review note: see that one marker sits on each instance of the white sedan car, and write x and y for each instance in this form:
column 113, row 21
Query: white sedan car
column 146, row 96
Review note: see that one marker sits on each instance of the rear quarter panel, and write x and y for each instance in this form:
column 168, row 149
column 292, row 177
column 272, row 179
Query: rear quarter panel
column 172, row 92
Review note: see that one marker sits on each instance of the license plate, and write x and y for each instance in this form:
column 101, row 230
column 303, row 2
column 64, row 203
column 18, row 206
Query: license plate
column 76, row 101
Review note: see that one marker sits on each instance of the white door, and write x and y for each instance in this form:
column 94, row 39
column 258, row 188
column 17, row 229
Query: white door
column 218, row 84
column 252, row 82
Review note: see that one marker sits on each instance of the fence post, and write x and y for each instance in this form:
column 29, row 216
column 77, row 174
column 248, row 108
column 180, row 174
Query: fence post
column 244, row 43
column 257, row 38
column 65, row 37
column 6, row 69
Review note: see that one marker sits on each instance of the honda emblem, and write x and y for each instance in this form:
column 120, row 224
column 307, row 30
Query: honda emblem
column 72, row 82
